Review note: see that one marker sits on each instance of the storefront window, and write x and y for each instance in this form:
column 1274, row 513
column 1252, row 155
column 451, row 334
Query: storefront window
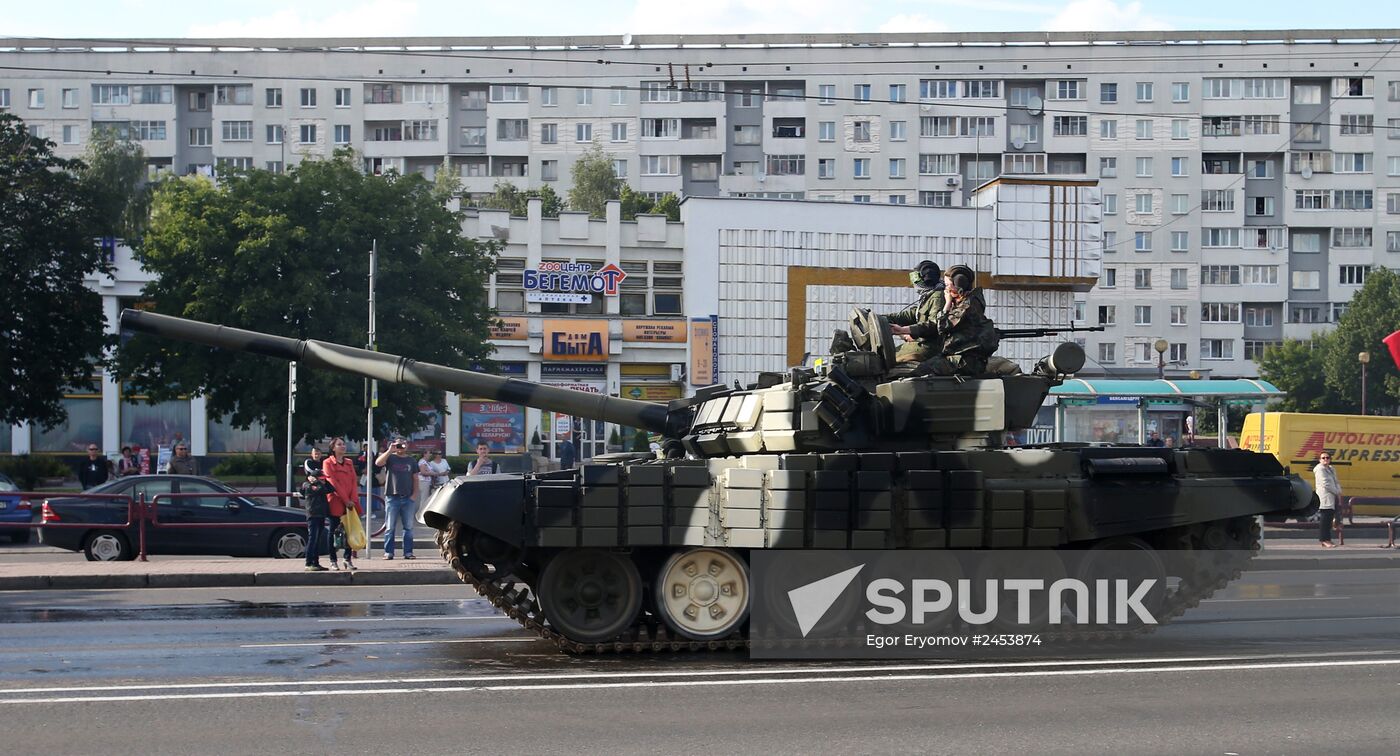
column 155, row 425
column 83, row 427
column 634, row 304
column 226, row 438
column 668, row 303
column 499, row 424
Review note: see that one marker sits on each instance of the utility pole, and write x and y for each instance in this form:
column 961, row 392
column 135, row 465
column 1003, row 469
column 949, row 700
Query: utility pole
column 291, row 412
column 369, row 411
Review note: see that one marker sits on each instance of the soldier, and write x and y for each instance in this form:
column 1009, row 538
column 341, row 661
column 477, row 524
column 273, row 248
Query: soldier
column 916, row 322
column 967, row 337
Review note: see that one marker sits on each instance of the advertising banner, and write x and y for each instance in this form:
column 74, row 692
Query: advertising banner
column 704, row 351
column 510, row 329
column 576, row 340
column 499, row 424
column 663, row 331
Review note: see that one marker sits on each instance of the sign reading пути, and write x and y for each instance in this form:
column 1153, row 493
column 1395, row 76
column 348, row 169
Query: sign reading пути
column 574, row 280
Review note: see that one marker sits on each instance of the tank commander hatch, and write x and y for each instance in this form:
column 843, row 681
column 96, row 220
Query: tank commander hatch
column 917, row 322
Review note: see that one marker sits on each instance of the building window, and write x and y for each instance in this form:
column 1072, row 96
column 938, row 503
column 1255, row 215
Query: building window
column 1220, row 237
column 782, row 165
column 1392, row 241
column 514, row 92
column 342, row 133
column 1110, row 241
column 1178, row 278
column 1108, row 315
column 896, row 168
column 1217, row 349
column 273, row 134
column 619, row 169
column 1110, row 204
column 978, row 126
column 748, row 135
column 1261, row 206
column 936, row 199
column 36, row 99
column 619, row 131
column 1142, row 278
column 663, row 165
column 981, row 170
column 1067, row 89
column 938, row 126
column 1144, row 167
column 198, row 101
column 272, row 97
column 861, row 93
column 1181, row 241
column 618, row 95
column 1353, row 275
column 1108, row 352
column 1181, row 204
column 1307, row 280
column 1142, row 241
column 1351, row 237
column 826, row 168
column 1181, row 91
column 70, row 134
column 1178, row 315
column 583, row 96
column 342, row 97
column 1108, row 93
column 1108, row 167
column 583, row 132
column 936, row 165
column 308, row 97
column 1352, row 199
column 200, row 136
column 898, row 93
column 1258, row 317
column 1108, row 128
column 896, row 199
column 861, row 198
column 937, row 89
column 1352, row 162
column 237, row 131
column 1110, row 278
column 1142, row 315
column 148, row 131
column 1143, row 127
column 861, row 168
column 1218, row 200
column 1023, row 133
column 660, row 128
column 1019, row 97
column 899, row 131
column 826, row 94
column 1144, row 91
column 1142, row 202
column 1071, row 125
column 1392, row 203
column 826, row 131
column 861, row 131
column 1181, row 128
column 1023, row 164
column 549, row 133
column 308, row 133
column 1312, row 199
column 1259, row 275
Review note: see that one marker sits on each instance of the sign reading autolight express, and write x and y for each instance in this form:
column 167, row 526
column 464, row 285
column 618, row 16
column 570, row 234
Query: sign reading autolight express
column 571, row 283
column 576, row 340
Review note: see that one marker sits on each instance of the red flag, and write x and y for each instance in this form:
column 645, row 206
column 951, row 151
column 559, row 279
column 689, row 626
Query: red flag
column 1392, row 342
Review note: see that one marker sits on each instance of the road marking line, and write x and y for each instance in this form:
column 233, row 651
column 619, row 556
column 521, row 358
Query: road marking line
column 738, row 673
column 700, row 683
column 416, row 619
column 389, row 643
column 1290, row 598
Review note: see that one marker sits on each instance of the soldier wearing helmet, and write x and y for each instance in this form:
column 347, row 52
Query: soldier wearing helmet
column 916, row 323
column 967, row 336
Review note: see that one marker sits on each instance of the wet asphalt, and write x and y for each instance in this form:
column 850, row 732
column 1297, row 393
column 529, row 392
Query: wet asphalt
column 432, row 669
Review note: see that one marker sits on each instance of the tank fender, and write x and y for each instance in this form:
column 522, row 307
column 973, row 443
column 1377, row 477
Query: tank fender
column 493, row 504
column 1303, row 496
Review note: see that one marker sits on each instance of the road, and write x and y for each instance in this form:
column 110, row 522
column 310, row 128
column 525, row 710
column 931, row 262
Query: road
column 432, row 670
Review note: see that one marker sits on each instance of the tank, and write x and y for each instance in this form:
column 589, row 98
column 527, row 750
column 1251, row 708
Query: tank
column 650, row 552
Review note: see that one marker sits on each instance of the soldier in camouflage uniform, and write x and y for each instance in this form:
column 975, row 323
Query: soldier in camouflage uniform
column 968, row 337
column 916, row 323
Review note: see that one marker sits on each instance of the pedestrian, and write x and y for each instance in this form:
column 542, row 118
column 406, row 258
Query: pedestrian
column 439, row 471
column 1328, row 491
column 401, row 486
column 315, row 496
column 425, row 479
column 567, row 454
column 315, row 462
column 95, row 470
column 1170, row 443
column 182, row 463
column 483, row 465
column 127, row 463
column 339, row 470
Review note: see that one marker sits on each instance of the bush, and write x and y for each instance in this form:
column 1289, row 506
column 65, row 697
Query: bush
column 640, row 442
column 245, row 466
column 26, row 470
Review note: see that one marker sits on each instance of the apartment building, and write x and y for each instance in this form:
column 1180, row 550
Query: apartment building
column 1249, row 180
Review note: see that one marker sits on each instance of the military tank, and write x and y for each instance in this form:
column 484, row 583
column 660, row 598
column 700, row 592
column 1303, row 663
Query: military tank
column 650, row 552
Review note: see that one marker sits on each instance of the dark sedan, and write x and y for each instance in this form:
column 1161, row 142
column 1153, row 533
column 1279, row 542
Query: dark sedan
column 109, row 538
column 15, row 513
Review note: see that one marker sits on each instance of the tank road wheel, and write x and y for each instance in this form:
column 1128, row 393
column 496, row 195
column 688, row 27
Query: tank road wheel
column 1132, row 560
column 703, row 594
column 590, row 595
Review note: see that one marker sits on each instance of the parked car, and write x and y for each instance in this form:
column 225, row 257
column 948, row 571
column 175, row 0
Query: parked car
column 14, row 511
column 110, row 539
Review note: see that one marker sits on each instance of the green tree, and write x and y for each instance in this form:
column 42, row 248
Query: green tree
column 668, row 205
column 507, row 196
column 446, row 183
column 1296, row 367
column 51, row 324
column 289, row 255
column 114, row 174
column 633, row 202
column 1373, row 314
column 594, row 182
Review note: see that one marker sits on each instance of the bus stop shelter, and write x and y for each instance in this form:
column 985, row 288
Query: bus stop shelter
column 1143, row 393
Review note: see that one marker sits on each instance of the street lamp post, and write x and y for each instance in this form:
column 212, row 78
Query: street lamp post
column 1161, row 346
column 1364, row 358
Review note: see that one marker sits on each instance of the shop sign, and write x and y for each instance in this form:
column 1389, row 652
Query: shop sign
column 704, row 350
column 651, row 392
column 573, row 278
column 509, row 329
column 585, row 386
column 576, row 340
column 667, row 331
column 576, row 371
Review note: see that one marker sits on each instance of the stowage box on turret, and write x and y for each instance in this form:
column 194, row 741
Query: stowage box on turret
column 650, row 552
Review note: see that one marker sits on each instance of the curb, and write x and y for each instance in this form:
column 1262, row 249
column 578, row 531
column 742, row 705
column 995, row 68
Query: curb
column 225, row 580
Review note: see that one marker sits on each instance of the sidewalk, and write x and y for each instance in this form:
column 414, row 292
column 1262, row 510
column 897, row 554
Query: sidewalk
column 429, row 569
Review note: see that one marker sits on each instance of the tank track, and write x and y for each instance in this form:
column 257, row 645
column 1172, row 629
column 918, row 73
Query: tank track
column 649, row 634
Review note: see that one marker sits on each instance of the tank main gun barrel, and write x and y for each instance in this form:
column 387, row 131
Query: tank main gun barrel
column 394, row 369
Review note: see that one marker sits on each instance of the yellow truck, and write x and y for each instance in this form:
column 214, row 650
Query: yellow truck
column 1365, row 450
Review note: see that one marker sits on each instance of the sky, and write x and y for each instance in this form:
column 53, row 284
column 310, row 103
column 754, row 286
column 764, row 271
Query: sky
column 122, row 19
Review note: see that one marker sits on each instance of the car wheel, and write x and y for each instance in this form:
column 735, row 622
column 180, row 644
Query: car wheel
column 288, row 544
column 107, row 546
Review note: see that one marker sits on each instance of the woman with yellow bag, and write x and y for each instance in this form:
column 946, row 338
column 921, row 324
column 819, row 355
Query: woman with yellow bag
column 347, row 531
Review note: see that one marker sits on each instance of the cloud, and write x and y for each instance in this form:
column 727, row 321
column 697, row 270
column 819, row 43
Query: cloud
column 375, row 18
column 912, row 23
column 1104, row 15
column 739, row 17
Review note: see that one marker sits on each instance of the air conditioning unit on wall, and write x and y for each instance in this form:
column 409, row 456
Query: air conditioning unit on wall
column 954, row 180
